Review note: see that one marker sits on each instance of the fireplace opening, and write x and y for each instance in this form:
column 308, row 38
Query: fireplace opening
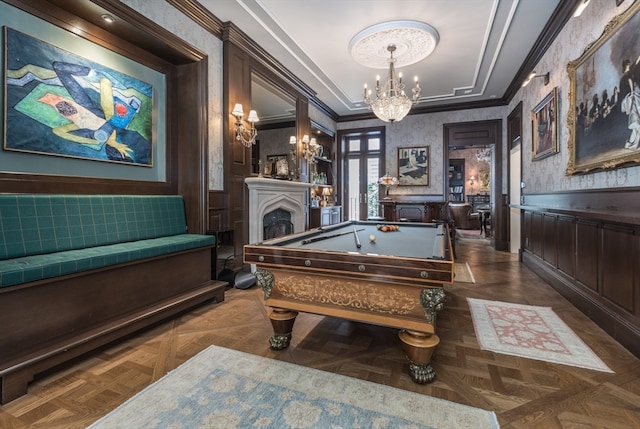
column 276, row 224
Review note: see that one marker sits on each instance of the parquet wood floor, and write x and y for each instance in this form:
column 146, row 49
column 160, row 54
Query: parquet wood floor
column 524, row 393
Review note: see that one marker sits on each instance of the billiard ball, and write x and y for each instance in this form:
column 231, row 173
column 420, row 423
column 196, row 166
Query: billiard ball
column 372, row 238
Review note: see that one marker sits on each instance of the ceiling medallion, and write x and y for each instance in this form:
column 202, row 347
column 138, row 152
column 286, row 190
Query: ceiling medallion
column 414, row 41
column 406, row 43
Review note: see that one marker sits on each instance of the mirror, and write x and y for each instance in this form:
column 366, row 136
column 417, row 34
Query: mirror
column 277, row 112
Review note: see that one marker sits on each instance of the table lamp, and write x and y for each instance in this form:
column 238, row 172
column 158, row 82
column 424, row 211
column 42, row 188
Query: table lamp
column 326, row 193
column 387, row 180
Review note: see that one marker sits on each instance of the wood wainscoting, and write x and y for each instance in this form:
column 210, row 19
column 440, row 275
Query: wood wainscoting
column 586, row 244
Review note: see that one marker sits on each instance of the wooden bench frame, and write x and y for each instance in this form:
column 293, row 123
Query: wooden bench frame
column 49, row 322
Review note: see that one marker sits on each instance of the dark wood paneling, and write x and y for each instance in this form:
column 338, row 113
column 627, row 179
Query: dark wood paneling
column 566, row 245
column 618, row 246
column 218, row 213
column 587, row 254
column 549, row 239
column 527, row 221
column 599, row 275
column 537, row 233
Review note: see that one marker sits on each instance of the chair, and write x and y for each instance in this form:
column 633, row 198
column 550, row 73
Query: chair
column 462, row 216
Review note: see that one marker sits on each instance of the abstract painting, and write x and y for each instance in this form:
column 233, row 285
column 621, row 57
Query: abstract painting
column 59, row 103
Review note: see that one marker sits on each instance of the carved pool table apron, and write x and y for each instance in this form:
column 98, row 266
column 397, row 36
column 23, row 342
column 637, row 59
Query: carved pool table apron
column 409, row 307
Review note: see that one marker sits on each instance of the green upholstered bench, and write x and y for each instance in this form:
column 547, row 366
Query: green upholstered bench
column 78, row 271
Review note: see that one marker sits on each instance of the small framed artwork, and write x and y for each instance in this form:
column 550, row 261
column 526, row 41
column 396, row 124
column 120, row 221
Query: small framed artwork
column 544, row 126
column 277, row 165
column 413, row 166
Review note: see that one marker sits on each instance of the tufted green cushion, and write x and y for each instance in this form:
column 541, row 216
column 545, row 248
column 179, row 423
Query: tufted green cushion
column 33, row 224
column 30, row 268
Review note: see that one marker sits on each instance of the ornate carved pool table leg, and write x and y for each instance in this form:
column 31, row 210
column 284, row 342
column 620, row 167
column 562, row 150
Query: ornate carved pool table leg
column 282, row 322
column 419, row 348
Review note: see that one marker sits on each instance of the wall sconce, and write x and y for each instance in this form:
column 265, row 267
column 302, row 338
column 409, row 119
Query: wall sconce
column 581, row 7
column 471, row 182
column 293, row 142
column 245, row 136
column 310, row 147
column 534, row 75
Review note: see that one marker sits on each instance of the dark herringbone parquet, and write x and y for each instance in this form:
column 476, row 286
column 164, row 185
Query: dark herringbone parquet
column 524, row 393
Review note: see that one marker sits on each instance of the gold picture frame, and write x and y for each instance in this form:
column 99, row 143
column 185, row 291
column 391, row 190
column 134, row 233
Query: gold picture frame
column 544, row 127
column 604, row 98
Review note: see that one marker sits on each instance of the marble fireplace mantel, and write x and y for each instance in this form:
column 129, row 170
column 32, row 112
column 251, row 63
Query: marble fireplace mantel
column 267, row 195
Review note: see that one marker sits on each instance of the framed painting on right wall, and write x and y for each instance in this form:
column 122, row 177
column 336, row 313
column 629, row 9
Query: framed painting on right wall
column 604, row 99
column 544, row 126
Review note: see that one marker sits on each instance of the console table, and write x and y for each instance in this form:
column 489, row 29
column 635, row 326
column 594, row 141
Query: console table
column 478, row 201
column 414, row 211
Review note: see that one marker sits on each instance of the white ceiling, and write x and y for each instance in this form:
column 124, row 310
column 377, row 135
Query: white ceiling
column 483, row 43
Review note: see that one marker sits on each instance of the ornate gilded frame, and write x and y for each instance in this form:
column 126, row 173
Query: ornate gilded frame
column 599, row 132
column 544, row 127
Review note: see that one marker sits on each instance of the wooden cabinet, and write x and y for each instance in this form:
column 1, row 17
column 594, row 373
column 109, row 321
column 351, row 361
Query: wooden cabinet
column 412, row 211
column 324, row 216
column 478, row 201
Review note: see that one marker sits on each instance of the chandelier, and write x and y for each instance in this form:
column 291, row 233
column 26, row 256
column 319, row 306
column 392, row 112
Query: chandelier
column 391, row 103
column 483, row 155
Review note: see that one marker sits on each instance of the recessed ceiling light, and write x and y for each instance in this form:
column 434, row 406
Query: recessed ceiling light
column 108, row 18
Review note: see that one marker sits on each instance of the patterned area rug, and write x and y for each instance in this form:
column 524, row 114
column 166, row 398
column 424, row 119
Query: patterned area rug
column 530, row 332
column 462, row 273
column 222, row 388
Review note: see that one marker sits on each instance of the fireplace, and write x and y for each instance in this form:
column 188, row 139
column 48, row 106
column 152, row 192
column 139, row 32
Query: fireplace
column 276, row 224
column 269, row 196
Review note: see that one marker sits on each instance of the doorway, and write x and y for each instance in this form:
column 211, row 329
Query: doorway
column 480, row 145
column 362, row 165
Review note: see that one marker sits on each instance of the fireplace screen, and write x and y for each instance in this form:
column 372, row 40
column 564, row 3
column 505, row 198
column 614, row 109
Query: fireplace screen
column 276, row 224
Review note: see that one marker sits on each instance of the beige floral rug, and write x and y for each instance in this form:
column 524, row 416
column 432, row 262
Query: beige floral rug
column 530, row 332
column 223, row 388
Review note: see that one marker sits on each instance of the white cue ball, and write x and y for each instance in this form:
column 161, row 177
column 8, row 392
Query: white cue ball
column 372, row 238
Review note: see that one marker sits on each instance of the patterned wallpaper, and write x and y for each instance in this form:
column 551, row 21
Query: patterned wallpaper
column 168, row 17
column 548, row 174
column 545, row 175
column 420, row 130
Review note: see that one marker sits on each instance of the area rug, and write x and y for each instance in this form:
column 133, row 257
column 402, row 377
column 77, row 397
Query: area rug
column 530, row 332
column 222, row 388
column 462, row 273
column 469, row 233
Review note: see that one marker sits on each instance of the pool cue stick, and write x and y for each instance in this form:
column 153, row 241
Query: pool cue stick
column 324, row 237
column 355, row 234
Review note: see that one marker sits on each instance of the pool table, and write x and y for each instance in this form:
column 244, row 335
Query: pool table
column 354, row 270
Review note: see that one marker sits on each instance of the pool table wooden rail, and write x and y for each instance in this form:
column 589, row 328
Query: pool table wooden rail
column 356, row 265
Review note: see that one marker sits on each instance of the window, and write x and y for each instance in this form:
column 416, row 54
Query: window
column 363, row 163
